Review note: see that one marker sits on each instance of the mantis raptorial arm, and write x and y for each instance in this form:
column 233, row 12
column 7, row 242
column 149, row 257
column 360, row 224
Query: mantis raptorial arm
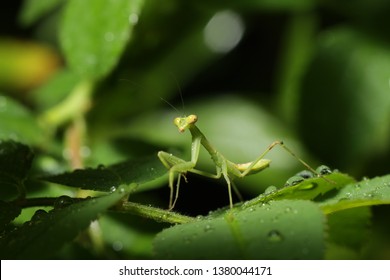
column 179, row 166
column 229, row 170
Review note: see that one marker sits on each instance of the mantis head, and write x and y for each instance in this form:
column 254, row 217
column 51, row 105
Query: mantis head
column 182, row 123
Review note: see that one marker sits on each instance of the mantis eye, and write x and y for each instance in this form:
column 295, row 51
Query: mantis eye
column 192, row 119
column 176, row 121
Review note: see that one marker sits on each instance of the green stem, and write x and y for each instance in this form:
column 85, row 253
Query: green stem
column 157, row 214
column 77, row 102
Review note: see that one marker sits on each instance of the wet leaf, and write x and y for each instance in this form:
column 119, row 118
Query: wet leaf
column 107, row 178
column 43, row 237
column 311, row 189
column 94, row 34
column 278, row 230
column 370, row 192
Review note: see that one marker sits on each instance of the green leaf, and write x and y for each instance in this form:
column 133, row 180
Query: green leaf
column 348, row 233
column 8, row 212
column 32, row 10
column 364, row 193
column 105, row 178
column 138, row 241
column 310, row 189
column 94, row 34
column 15, row 162
column 278, row 230
column 349, row 75
column 17, row 123
column 43, row 236
column 56, row 89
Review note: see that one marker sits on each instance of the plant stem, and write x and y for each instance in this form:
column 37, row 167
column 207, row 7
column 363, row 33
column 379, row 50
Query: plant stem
column 157, row 214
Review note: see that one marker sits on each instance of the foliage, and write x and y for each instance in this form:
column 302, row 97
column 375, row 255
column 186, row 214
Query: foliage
column 82, row 120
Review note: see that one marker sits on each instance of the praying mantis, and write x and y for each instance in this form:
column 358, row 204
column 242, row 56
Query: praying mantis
column 224, row 168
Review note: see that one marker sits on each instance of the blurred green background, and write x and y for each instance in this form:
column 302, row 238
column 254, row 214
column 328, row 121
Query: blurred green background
column 88, row 83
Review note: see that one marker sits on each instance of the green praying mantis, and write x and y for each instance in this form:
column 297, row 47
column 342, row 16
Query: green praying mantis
column 224, row 168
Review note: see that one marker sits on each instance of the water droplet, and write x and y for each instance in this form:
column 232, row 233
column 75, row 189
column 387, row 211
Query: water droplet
column 270, row 189
column 101, row 166
column 208, row 228
column 306, row 174
column 122, row 190
column 63, row 201
column 117, row 245
column 133, row 18
column 323, row 170
column 85, row 151
column 113, row 189
column 38, row 215
column 369, row 195
column 187, row 240
column 274, row 236
column 294, row 180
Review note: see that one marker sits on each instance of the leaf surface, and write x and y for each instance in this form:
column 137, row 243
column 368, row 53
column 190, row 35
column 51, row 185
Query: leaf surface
column 278, row 230
column 94, row 34
column 48, row 232
column 105, row 178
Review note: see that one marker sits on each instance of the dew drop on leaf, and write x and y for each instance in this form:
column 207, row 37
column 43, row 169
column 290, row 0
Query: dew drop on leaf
column 305, row 174
column 208, row 228
column 270, row 189
column 294, row 180
column 323, row 170
column 63, row 201
column 187, row 240
column 38, row 215
column 274, row 236
column 101, row 166
column 117, row 246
